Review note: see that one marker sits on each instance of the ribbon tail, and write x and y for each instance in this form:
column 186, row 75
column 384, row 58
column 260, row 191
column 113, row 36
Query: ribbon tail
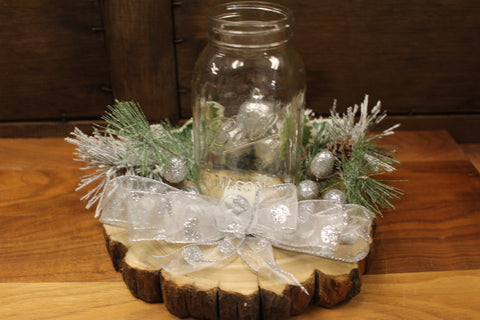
column 195, row 257
column 258, row 255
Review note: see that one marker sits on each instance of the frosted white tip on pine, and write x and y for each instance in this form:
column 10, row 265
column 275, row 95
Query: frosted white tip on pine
column 366, row 121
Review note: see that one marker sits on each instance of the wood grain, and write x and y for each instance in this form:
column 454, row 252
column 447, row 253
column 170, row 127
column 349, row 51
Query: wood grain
column 426, row 295
column 36, row 192
column 45, row 153
column 472, row 150
column 43, row 129
column 424, row 145
column 139, row 40
column 462, row 127
column 437, row 221
column 52, row 64
column 46, row 248
column 230, row 290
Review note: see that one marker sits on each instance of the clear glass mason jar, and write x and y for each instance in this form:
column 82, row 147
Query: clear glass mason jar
column 248, row 100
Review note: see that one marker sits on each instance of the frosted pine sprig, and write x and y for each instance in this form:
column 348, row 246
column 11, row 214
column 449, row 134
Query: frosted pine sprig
column 344, row 125
column 103, row 153
column 128, row 144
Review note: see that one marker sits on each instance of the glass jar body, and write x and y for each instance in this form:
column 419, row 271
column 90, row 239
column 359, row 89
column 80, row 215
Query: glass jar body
column 248, row 99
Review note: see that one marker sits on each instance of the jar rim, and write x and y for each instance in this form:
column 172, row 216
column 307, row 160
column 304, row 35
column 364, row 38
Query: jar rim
column 223, row 13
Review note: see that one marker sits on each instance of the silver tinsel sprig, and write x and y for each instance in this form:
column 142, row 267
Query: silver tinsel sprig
column 130, row 145
column 149, row 146
column 344, row 125
column 346, row 134
column 103, row 153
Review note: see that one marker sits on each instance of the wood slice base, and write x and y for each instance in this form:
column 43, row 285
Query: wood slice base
column 230, row 290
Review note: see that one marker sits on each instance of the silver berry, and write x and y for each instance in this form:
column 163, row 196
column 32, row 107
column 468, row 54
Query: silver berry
column 307, row 189
column 322, row 163
column 190, row 188
column 174, row 170
column 335, row 195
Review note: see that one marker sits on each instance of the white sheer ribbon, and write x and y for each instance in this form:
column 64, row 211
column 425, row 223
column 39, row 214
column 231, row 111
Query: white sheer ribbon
column 213, row 230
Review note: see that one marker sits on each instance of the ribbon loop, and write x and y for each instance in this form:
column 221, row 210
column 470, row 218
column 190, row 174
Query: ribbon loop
column 276, row 209
column 193, row 218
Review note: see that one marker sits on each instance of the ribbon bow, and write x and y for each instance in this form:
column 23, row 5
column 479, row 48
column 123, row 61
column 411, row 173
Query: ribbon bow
column 213, row 230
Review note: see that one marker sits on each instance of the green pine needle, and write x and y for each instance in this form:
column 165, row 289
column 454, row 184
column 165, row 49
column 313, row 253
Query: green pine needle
column 358, row 176
column 149, row 147
column 128, row 144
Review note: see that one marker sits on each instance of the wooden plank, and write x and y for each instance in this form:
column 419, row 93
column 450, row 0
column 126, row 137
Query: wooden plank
column 40, row 192
column 472, row 150
column 75, row 300
column 437, row 221
column 463, row 128
column 415, row 56
column 428, row 295
column 31, row 153
column 423, row 146
column 139, row 40
column 52, row 64
column 56, row 247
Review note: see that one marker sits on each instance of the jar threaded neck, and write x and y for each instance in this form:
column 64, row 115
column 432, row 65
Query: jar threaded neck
column 250, row 24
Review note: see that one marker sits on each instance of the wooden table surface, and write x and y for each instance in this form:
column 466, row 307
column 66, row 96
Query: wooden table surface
column 54, row 264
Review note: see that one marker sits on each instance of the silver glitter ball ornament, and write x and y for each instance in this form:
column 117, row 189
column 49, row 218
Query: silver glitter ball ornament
column 322, row 163
column 190, row 188
column 335, row 195
column 255, row 108
column 307, row 189
column 174, row 170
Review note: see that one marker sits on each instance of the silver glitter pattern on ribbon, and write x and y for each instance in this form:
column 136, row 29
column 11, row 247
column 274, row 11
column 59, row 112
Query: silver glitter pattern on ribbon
column 226, row 246
column 330, row 235
column 280, row 214
column 235, row 227
column 262, row 244
column 239, row 205
column 192, row 254
column 191, row 229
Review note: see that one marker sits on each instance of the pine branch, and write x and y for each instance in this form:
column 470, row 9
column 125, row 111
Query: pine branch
column 103, row 153
column 345, row 126
column 358, row 175
column 130, row 145
column 150, row 146
column 355, row 174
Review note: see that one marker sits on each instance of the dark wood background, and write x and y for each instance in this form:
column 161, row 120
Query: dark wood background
column 63, row 61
